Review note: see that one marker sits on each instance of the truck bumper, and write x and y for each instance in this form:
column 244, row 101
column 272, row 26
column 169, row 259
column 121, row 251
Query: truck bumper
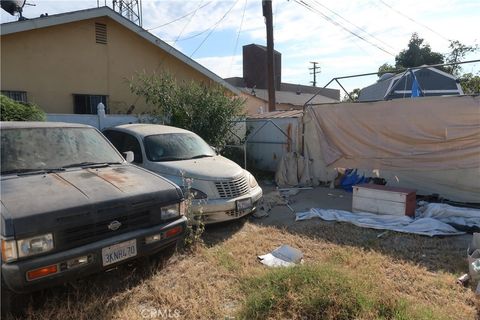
column 14, row 274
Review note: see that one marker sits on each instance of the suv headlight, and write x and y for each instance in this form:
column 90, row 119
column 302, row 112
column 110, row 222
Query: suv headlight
column 251, row 181
column 194, row 193
column 171, row 211
column 14, row 249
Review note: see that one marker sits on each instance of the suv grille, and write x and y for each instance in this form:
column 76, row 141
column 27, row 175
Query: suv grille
column 99, row 230
column 232, row 189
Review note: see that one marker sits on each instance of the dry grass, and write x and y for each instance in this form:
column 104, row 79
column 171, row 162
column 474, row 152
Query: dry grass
column 224, row 280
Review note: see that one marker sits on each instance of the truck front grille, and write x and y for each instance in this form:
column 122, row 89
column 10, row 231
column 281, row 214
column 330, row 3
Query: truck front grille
column 98, row 230
column 232, row 189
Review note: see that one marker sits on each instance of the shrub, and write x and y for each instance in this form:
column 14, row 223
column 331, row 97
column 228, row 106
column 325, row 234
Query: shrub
column 17, row 111
column 205, row 110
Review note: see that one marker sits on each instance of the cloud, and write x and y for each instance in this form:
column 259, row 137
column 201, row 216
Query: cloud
column 225, row 67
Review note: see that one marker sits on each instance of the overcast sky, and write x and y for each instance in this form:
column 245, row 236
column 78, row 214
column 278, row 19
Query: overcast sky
column 323, row 32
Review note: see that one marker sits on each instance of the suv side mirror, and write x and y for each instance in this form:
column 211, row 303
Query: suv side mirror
column 215, row 150
column 129, row 156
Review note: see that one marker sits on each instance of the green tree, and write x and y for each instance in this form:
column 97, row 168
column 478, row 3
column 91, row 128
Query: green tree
column 12, row 110
column 385, row 68
column 417, row 54
column 207, row 111
column 457, row 54
column 470, row 83
column 353, row 94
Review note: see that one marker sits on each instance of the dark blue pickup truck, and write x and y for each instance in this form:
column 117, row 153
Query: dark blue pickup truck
column 71, row 206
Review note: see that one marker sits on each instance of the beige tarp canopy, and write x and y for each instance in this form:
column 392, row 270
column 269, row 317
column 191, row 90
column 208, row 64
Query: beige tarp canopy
column 432, row 143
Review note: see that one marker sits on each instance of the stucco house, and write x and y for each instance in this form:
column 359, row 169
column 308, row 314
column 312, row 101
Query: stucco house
column 68, row 63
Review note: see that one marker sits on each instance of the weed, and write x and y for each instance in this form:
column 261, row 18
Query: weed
column 195, row 225
column 320, row 292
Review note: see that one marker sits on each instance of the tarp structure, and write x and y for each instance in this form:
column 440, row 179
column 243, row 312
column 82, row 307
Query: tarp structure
column 431, row 144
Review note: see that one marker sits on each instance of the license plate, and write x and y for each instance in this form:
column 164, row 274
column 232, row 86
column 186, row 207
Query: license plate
column 244, row 204
column 119, row 252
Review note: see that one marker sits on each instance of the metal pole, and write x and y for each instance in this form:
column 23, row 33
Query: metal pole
column 267, row 13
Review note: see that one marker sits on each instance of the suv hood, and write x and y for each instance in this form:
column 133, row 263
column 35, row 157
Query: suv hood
column 208, row 168
column 39, row 202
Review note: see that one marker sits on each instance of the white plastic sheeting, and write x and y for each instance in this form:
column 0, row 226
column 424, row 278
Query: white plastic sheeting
column 422, row 226
column 449, row 214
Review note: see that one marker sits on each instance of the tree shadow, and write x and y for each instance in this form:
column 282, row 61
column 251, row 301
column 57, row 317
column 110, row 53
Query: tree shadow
column 219, row 232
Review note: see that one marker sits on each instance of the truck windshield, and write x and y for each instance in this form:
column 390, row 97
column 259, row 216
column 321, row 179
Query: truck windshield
column 31, row 149
column 176, row 146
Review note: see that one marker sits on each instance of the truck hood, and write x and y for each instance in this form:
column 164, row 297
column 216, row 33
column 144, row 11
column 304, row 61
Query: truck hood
column 208, row 168
column 35, row 203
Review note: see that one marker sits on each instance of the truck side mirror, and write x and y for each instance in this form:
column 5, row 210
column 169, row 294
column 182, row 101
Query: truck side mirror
column 129, row 156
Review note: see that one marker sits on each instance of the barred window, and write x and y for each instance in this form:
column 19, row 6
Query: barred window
column 20, row 96
column 87, row 103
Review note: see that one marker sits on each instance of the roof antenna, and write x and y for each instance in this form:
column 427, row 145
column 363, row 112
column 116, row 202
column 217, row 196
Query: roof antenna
column 130, row 9
column 15, row 6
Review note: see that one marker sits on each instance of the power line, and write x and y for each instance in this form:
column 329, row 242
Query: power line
column 413, row 20
column 309, row 7
column 188, row 22
column 179, row 18
column 213, row 29
column 171, row 46
column 238, row 37
column 351, row 23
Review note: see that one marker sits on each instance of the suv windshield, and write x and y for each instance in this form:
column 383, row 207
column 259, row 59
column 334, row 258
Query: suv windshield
column 30, row 149
column 176, row 146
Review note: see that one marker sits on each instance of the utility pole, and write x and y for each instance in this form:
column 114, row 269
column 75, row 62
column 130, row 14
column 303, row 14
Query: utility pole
column 267, row 13
column 315, row 72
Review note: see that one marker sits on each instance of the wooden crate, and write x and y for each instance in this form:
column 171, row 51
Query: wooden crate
column 383, row 200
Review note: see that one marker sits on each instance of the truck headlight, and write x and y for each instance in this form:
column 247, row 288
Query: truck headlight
column 171, row 211
column 35, row 245
column 9, row 250
column 251, row 181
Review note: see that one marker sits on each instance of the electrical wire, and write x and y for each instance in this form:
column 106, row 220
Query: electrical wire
column 314, row 10
column 238, row 37
column 352, row 24
column 171, row 47
column 413, row 20
column 179, row 18
column 212, row 28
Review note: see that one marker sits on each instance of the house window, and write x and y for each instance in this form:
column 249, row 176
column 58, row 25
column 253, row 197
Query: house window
column 20, row 96
column 87, row 104
column 100, row 33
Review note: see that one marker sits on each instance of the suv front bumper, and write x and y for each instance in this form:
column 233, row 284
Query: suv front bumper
column 14, row 274
column 220, row 210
